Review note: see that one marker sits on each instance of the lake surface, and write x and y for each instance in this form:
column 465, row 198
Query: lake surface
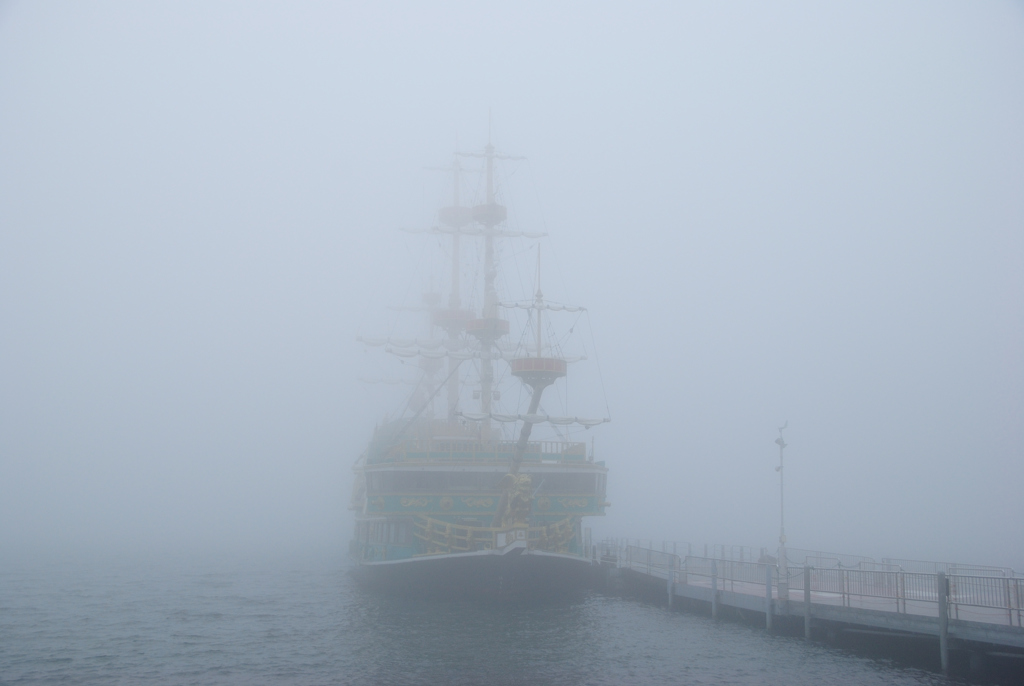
column 292, row 624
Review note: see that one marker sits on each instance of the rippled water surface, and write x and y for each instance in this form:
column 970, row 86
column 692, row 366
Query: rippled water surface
column 264, row 624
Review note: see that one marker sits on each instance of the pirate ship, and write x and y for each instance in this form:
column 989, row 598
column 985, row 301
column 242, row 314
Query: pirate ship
column 470, row 502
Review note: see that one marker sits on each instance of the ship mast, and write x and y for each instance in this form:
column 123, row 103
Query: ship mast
column 454, row 299
column 453, row 319
column 490, row 301
column 489, row 328
column 539, row 301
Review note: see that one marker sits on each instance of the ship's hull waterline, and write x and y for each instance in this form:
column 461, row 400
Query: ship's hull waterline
column 513, row 575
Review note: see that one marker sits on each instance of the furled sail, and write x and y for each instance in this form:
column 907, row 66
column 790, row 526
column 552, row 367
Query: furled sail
column 452, row 344
column 478, row 231
column 428, row 344
column 466, row 354
column 533, row 305
column 440, row 354
column 533, row 419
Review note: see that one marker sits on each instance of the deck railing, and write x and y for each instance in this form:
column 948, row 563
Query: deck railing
column 462, row 451
column 440, row 537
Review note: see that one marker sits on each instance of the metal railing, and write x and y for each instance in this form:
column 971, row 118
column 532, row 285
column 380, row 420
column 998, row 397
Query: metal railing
column 869, row 585
column 989, row 592
column 729, row 572
column 949, row 567
column 817, row 558
column 461, row 451
column 650, row 562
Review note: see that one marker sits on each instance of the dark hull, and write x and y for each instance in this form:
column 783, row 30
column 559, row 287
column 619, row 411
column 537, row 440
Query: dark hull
column 509, row 576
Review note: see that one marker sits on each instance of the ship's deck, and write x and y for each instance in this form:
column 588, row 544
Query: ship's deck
column 461, row 451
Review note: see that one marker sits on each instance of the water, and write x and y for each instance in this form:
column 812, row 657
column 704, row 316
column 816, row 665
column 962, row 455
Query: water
column 273, row 624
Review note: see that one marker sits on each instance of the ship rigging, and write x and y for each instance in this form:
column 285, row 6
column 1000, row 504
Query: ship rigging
column 456, row 503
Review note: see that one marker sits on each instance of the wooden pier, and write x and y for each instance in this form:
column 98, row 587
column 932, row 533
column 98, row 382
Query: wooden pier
column 972, row 612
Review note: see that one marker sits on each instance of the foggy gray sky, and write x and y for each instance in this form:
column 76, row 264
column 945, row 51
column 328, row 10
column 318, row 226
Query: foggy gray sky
column 802, row 211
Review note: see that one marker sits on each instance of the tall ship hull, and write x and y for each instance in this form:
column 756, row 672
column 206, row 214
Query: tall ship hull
column 434, row 516
column 514, row 574
column 467, row 504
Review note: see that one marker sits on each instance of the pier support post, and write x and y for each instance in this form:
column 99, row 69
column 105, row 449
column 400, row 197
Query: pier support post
column 671, row 579
column 943, row 594
column 714, row 589
column 807, row 602
column 768, row 598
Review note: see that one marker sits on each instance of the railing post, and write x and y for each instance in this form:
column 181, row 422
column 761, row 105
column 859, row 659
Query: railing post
column 943, row 594
column 768, row 598
column 1009, row 603
column 714, row 590
column 807, row 602
column 1017, row 599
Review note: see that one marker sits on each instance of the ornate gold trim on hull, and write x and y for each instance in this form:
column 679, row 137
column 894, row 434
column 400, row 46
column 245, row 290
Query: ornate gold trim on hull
column 441, row 538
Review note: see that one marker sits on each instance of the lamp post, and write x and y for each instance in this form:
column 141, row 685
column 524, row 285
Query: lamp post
column 783, row 562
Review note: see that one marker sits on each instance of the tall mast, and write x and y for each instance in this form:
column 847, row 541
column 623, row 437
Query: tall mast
column 453, row 319
column 489, row 327
column 454, row 299
column 540, row 302
column 490, row 303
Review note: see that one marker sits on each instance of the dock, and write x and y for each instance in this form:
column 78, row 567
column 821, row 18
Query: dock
column 972, row 613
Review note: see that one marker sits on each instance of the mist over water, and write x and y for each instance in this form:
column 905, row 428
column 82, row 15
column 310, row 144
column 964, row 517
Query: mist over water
column 278, row 624
column 773, row 212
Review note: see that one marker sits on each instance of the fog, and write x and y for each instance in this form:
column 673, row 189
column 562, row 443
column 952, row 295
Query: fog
column 802, row 212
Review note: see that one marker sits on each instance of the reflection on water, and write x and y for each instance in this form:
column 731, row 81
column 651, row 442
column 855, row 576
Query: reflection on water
column 79, row 624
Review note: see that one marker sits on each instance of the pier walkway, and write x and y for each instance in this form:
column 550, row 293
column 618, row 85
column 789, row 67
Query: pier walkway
column 968, row 608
